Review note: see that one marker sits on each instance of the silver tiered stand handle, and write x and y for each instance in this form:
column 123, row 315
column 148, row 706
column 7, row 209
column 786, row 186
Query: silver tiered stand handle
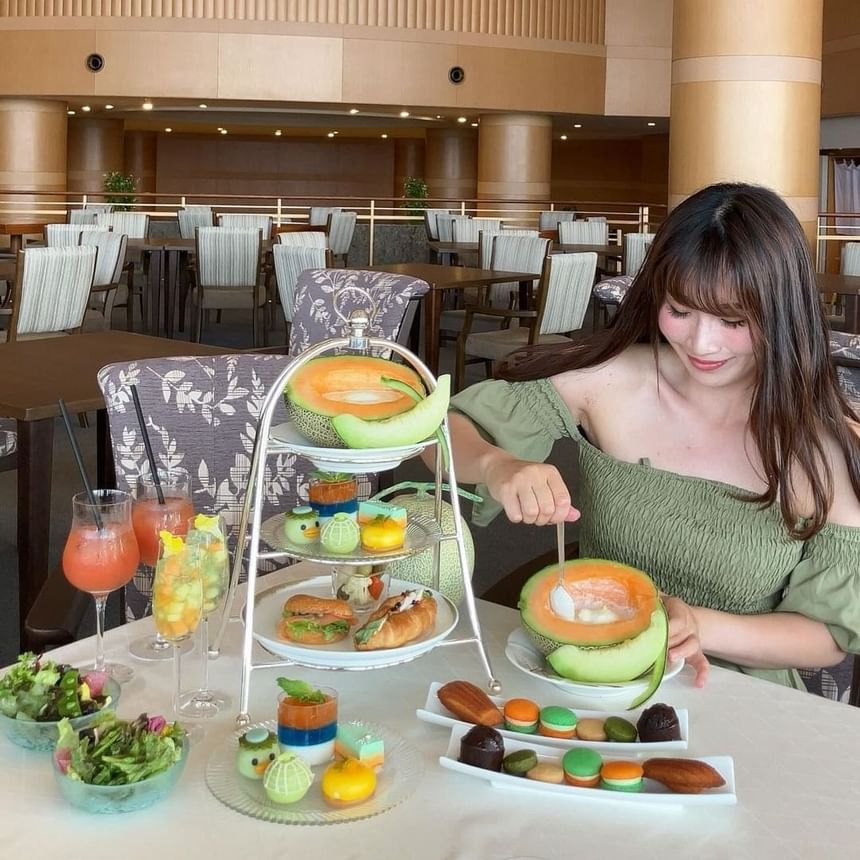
column 356, row 340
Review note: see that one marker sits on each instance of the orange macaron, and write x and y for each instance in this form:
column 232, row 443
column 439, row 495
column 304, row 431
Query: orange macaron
column 521, row 715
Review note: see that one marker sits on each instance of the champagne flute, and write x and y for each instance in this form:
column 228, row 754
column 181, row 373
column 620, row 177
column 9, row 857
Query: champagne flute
column 177, row 600
column 100, row 556
column 206, row 540
column 149, row 517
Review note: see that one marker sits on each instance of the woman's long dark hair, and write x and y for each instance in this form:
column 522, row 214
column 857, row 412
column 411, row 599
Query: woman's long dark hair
column 737, row 250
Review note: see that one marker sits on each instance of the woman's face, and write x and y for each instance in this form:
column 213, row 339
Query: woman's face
column 715, row 351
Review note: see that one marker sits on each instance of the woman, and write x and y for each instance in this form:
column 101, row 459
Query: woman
column 716, row 449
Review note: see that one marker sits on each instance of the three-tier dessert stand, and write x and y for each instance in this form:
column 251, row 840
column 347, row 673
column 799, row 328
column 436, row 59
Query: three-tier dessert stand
column 356, row 340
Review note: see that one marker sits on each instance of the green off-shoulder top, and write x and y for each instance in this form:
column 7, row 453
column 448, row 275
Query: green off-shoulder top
column 700, row 540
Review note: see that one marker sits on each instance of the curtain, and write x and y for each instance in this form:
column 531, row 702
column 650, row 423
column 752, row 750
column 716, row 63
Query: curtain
column 847, row 187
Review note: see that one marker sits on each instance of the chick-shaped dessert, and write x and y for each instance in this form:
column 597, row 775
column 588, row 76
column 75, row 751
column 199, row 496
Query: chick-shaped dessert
column 302, row 525
column 258, row 748
column 287, row 778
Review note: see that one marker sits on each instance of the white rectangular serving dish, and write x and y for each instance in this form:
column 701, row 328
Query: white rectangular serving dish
column 435, row 712
column 653, row 794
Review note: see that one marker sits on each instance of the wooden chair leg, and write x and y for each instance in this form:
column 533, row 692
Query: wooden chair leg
column 254, row 314
column 198, row 322
column 595, row 314
column 129, row 299
column 218, row 317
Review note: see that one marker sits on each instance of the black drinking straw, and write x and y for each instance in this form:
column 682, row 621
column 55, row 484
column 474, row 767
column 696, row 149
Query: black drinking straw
column 76, row 450
column 147, row 444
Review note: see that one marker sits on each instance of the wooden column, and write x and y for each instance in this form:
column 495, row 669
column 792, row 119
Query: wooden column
column 95, row 148
column 746, row 94
column 515, row 159
column 141, row 158
column 452, row 164
column 408, row 161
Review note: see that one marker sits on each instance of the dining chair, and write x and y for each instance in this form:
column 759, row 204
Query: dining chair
column 485, row 244
column 318, row 215
column 445, row 226
column 246, row 220
column 107, row 285
column 608, row 294
column 227, row 274
column 548, row 219
column 636, row 246
column 340, row 229
column 559, row 308
column 850, row 264
column 135, row 225
column 65, row 235
column 51, row 291
column 290, row 261
column 8, row 444
column 583, row 233
column 192, row 217
column 82, row 216
column 304, row 238
column 430, row 225
column 467, row 229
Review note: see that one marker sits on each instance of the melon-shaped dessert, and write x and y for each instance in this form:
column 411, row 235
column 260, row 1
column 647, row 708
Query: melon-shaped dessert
column 603, row 622
column 327, row 387
column 419, row 568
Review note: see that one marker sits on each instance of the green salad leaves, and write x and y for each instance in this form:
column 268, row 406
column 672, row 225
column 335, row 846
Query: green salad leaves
column 118, row 752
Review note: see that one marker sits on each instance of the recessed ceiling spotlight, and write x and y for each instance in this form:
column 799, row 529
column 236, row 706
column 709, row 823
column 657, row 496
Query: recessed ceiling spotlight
column 70, row 112
column 108, row 107
column 168, row 129
column 438, row 116
column 577, row 125
column 564, row 137
column 331, row 134
column 202, row 106
column 474, row 125
column 278, row 133
column 86, row 108
column 384, row 136
column 404, row 114
column 462, row 119
column 223, row 131
column 651, row 124
column 147, row 105
column 335, row 132
column 353, row 111
column 220, row 128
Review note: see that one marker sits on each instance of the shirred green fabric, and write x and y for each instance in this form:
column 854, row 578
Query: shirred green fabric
column 699, row 539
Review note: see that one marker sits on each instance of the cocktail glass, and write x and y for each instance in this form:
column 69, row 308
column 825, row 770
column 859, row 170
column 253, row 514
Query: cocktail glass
column 206, row 539
column 177, row 600
column 100, row 556
column 150, row 517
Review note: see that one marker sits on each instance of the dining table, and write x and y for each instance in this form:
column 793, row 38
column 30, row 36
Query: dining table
column 36, row 374
column 794, row 755
column 17, row 230
column 847, row 286
column 442, row 279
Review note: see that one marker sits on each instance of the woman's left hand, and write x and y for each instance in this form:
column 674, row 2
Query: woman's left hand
column 684, row 638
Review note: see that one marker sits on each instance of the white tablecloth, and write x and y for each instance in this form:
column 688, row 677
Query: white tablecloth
column 796, row 759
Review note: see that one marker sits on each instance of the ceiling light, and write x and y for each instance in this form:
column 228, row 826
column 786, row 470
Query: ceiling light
column 278, row 133
column 147, row 105
column 404, row 114
column 108, row 107
column 202, row 107
column 335, row 132
column 384, row 136
column 651, row 124
column 331, row 134
column 353, row 111
column 70, row 112
column 438, row 116
column 564, row 137
column 474, row 125
column 168, row 130
column 462, row 119
column 223, row 131
column 86, row 108
column 577, row 125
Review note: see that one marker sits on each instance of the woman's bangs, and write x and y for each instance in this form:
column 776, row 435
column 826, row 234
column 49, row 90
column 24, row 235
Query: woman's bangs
column 704, row 283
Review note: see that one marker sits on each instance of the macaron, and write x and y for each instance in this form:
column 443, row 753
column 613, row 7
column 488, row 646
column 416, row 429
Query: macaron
column 546, row 771
column 521, row 715
column 520, row 762
column 582, row 767
column 621, row 776
column 619, row 730
column 590, row 729
column 557, row 722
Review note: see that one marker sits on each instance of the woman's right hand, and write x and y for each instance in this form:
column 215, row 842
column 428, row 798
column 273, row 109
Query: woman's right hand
column 529, row 492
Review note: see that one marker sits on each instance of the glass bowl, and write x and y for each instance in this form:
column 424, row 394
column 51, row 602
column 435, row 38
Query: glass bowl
column 42, row 736
column 110, row 799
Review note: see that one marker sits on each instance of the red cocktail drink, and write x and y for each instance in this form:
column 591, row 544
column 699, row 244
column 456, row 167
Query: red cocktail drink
column 150, row 517
column 100, row 561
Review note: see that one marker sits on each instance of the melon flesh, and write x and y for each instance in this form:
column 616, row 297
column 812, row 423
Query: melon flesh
column 410, row 427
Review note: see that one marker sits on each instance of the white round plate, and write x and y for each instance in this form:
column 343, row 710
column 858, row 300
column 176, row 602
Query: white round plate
column 421, row 533
column 521, row 651
column 342, row 655
column 396, row 781
column 359, row 460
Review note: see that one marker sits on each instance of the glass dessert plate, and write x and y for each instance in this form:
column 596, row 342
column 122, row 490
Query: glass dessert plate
column 396, row 781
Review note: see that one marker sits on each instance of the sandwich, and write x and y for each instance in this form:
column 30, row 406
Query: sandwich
column 315, row 620
column 399, row 620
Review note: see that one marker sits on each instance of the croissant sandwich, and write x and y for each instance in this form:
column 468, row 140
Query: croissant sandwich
column 315, row 620
column 399, row 620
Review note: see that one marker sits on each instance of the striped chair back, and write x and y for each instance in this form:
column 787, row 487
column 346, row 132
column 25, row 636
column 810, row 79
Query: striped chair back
column 192, row 217
column 228, row 258
column 52, row 290
column 430, row 223
column 515, row 254
column 290, row 261
column 341, row 226
column 135, row 225
column 65, row 235
column 635, row 248
column 583, row 232
column 304, row 239
column 245, row 220
column 82, row 216
column 485, row 244
column 548, row 219
column 565, row 292
column 850, row 259
column 111, row 255
column 99, row 208
column 318, row 216
column 466, row 229
column 445, row 227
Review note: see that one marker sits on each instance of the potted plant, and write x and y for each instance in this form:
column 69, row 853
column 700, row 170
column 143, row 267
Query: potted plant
column 119, row 188
column 415, row 190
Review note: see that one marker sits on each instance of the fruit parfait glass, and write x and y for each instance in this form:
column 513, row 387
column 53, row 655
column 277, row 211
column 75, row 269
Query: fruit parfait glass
column 330, row 493
column 150, row 517
column 364, row 587
column 177, row 600
column 307, row 720
column 101, row 556
column 206, row 544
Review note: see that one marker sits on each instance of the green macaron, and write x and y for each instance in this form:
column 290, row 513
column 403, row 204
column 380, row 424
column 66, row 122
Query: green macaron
column 581, row 764
column 520, row 762
column 557, row 721
column 619, row 730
